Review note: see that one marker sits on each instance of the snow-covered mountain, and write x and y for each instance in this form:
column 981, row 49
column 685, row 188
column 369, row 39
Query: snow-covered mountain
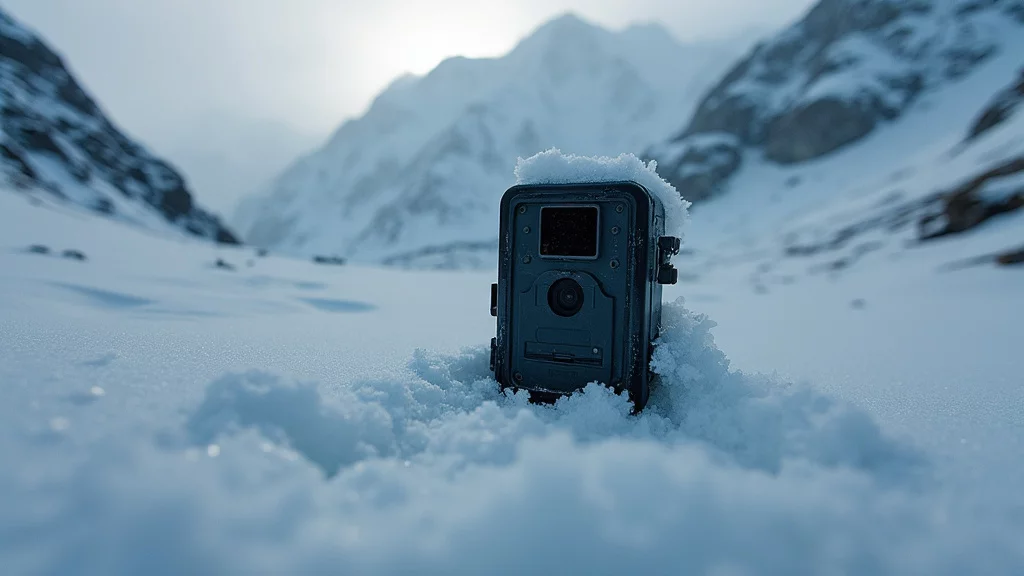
column 786, row 195
column 845, row 69
column 56, row 143
column 417, row 179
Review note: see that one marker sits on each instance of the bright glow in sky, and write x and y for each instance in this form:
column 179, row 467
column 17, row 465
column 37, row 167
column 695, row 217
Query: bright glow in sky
column 154, row 64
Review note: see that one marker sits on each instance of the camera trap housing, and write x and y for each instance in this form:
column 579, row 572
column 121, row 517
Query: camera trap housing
column 578, row 298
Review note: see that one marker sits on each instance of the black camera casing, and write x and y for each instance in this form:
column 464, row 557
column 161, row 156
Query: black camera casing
column 579, row 291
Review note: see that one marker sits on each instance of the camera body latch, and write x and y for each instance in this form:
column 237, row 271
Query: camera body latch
column 668, row 246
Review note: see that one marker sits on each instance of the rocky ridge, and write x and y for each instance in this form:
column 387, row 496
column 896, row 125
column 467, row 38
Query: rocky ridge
column 844, row 69
column 55, row 138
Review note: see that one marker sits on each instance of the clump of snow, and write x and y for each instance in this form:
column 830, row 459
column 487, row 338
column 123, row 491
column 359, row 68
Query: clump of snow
column 554, row 167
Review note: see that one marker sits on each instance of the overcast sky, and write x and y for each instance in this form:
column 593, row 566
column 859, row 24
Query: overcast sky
column 311, row 63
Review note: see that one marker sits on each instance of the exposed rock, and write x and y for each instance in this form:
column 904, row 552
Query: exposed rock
column 48, row 120
column 966, row 206
column 993, row 191
column 834, row 77
column 697, row 166
column 334, row 260
column 74, row 255
column 1011, row 258
column 819, row 127
column 1002, row 107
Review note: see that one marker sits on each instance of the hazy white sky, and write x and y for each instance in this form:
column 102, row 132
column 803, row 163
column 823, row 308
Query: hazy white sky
column 311, row 63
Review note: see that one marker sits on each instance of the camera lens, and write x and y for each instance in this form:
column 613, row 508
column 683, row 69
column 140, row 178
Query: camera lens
column 565, row 297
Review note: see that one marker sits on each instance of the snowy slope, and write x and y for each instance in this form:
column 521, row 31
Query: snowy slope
column 908, row 184
column 57, row 144
column 418, row 177
column 845, row 70
column 163, row 415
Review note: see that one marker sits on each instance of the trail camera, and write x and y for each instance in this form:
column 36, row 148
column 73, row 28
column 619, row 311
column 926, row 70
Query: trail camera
column 578, row 297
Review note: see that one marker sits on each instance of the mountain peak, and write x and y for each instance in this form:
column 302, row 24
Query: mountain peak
column 417, row 179
column 569, row 27
column 566, row 22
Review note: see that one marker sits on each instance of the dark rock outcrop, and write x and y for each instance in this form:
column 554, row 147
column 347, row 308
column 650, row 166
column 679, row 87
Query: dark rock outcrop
column 1001, row 108
column 700, row 165
column 49, row 125
column 975, row 201
column 831, row 79
column 72, row 254
column 993, row 191
column 823, row 125
column 333, row 260
column 1011, row 258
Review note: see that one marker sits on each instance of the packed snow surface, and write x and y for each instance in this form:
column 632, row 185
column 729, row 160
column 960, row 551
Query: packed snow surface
column 166, row 415
column 554, row 167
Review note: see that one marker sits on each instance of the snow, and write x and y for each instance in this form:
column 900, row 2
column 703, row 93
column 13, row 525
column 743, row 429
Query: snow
column 162, row 415
column 674, row 151
column 426, row 165
column 847, row 59
column 920, row 154
column 64, row 148
column 554, row 167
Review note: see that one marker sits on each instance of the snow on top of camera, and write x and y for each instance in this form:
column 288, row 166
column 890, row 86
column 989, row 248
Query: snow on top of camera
column 554, row 167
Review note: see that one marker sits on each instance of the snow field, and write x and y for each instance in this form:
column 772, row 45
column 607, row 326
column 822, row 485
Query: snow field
column 163, row 416
column 433, row 471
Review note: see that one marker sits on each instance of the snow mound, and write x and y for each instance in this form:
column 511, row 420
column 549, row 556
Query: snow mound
column 452, row 403
column 554, row 167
